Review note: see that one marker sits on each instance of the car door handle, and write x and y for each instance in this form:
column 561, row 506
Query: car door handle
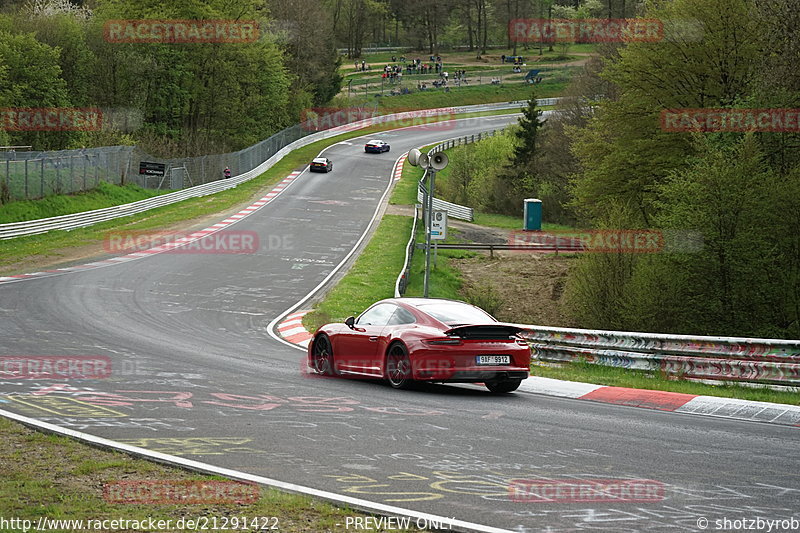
column 373, row 338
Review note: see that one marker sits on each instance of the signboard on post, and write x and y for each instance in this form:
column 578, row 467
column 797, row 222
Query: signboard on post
column 152, row 169
column 438, row 225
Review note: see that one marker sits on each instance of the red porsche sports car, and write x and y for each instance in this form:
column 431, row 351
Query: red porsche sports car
column 404, row 340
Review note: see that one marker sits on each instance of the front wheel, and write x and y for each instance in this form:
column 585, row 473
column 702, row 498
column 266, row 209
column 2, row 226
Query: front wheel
column 322, row 356
column 398, row 367
column 506, row 385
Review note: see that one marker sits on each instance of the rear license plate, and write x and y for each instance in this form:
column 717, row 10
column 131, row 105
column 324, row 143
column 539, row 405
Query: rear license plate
column 494, row 360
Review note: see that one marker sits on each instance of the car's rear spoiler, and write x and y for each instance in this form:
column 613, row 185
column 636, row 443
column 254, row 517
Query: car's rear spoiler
column 485, row 331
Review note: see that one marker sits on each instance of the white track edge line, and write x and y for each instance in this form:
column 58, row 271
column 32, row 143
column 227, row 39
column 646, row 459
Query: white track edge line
column 244, row 476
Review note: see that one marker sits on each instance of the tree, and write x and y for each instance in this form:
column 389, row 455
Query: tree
column 623, row 152
column 312, row 55
column 528, row 135
column 33, row 80
column 736, row 282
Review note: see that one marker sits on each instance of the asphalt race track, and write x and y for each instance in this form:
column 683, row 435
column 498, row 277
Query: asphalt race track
column 197, row 375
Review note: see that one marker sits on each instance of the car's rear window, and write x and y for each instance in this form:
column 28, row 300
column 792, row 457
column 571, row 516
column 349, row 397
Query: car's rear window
column 455, row 313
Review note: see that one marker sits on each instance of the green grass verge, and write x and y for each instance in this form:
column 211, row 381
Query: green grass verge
column 104, row 195
column 445, row 281
column 640, row 379
column 496, row 220
column 62, row 479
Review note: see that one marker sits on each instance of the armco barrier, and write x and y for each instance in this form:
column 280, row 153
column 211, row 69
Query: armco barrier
column 402, row 279
column 88, row 218
column 453, row 210
column 768, row 361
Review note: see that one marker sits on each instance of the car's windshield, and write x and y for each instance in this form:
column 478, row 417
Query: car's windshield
column 454, row 313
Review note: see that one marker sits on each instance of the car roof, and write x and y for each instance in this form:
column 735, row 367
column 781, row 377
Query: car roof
column 320, row 160
column 416, row 302
column 374, row 141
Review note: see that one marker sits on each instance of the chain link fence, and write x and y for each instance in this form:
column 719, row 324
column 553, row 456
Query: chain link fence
column 29, row 175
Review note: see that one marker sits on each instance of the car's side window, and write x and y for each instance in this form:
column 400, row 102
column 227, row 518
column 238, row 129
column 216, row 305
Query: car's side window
column 377, row 316
column 400, row 317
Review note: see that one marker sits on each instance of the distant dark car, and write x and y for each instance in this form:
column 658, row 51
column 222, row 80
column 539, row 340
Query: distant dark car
column 376, row 146
column 404, row 340
column 321, row 164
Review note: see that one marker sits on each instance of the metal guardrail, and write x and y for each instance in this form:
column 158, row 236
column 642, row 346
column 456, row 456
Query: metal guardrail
column 402, row 279
column 722, row 359
column 88, row 218
column 460, row 212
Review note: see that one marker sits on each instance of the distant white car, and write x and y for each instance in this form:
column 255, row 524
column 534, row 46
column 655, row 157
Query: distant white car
column 376, row 146
column 321, row 164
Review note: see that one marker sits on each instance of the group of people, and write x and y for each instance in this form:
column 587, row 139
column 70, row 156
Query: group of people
column 392, row 72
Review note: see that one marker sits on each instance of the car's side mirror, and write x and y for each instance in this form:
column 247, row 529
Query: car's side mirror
column 350, row 321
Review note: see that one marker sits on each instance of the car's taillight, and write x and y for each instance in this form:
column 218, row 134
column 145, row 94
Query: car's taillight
column 449, row 341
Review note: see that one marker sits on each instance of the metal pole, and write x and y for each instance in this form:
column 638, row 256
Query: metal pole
column 428, row 221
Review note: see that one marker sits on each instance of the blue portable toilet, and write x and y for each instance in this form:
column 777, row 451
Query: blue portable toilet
column 533, row 214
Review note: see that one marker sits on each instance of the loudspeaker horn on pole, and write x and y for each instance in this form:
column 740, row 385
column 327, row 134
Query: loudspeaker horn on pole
column 422, row 160
column 438, row 161
column 413, row 156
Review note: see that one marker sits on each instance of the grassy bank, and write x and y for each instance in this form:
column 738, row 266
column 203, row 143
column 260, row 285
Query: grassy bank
column 62, row 479
column 481, row 94
column 104, row 195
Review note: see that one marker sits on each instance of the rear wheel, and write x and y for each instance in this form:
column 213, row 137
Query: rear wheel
column 322, row 358
column 506, row 385
column 398, row 367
